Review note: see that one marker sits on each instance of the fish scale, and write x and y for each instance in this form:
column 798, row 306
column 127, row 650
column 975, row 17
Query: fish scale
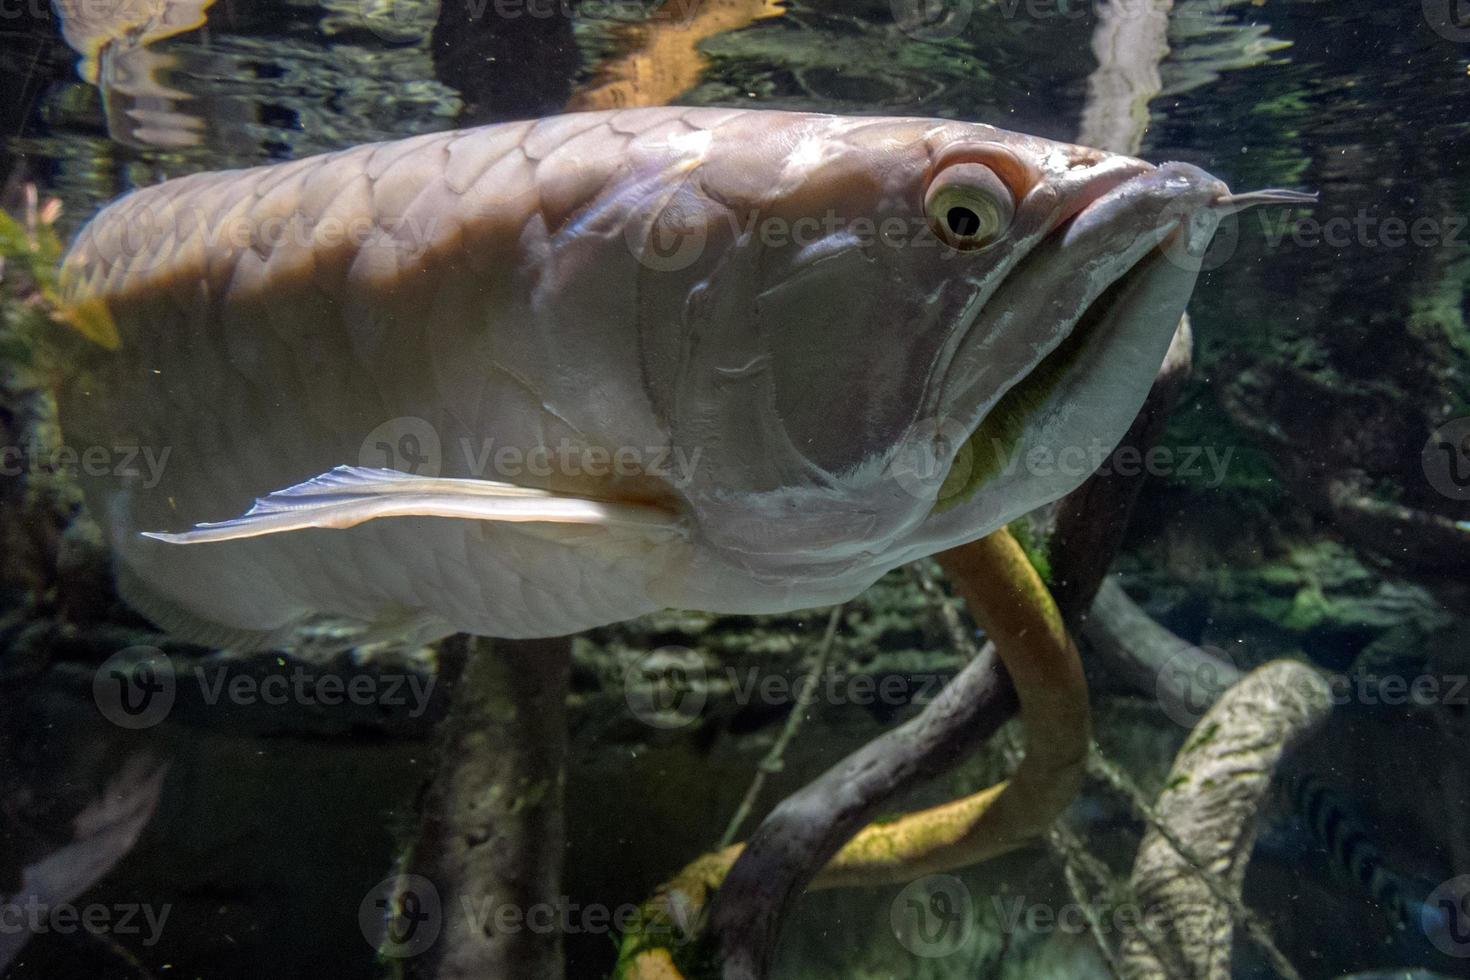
column 505, row 290
column 274, row 190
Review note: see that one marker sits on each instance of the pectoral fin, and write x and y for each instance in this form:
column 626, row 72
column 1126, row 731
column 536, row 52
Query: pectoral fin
column 351, row 495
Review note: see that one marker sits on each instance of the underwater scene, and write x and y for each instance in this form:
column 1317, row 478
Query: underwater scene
column 735, row 489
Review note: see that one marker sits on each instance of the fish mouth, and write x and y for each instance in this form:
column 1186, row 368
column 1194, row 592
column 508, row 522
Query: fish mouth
column 1001, row 428
column 1079, row 326
column 1094, row 241
column 1150, row 229
column 1151, row 277
column 1106, row 288
column 1059, row 284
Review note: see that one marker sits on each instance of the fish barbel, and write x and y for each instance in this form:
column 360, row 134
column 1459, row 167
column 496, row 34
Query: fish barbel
column 535, row 377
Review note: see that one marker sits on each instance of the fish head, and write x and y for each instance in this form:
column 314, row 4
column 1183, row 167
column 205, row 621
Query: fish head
column 897, row 308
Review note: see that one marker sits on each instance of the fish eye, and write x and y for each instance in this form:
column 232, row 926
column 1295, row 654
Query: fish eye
column 969, row 206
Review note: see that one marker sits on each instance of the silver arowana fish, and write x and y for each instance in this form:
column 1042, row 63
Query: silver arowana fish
column 768, row 356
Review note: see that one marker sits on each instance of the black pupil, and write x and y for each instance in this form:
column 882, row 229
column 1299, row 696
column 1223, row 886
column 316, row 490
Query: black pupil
column 962, row 221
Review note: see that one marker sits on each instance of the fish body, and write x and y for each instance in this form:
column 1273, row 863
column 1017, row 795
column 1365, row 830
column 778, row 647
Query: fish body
column 732, row 360
column 1352, row 853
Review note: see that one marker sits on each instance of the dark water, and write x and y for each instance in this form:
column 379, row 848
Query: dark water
column 1331, row 363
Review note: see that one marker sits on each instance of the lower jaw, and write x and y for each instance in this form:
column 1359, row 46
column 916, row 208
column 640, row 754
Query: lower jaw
column 992, row 440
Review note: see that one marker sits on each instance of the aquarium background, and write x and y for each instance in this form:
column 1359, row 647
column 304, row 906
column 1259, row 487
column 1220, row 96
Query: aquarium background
column 1331, row 385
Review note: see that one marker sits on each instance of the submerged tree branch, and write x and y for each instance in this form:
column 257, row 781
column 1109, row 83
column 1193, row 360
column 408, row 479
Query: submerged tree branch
column 1008, row 597
column 801, row 842
column 808, row 828
column 1149, row 658
column 490, row 831
column 1191, row 864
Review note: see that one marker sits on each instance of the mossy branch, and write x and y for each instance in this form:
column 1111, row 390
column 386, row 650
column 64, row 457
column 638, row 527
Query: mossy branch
column 1008, row 597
